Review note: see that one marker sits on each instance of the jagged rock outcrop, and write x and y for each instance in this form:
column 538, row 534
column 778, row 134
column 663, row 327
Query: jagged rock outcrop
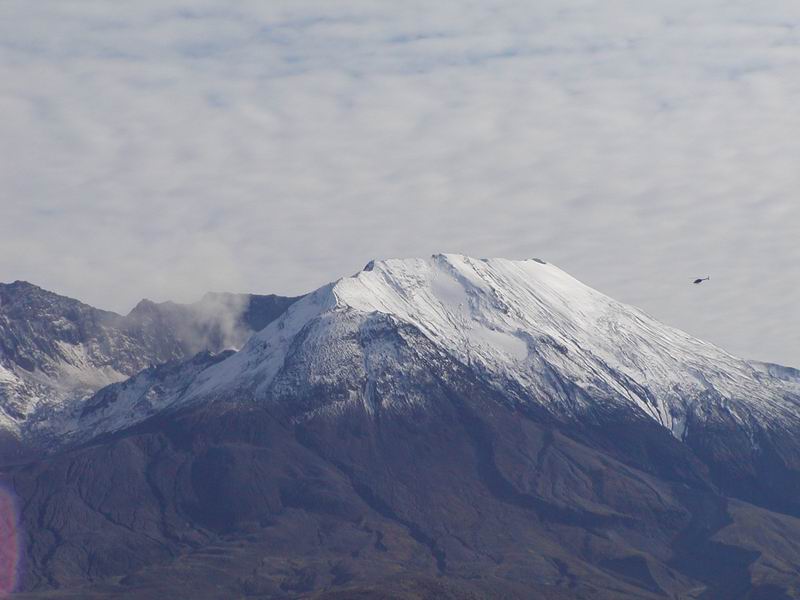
column 56, row 351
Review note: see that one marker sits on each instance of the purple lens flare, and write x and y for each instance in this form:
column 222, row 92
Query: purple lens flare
column 9, row 542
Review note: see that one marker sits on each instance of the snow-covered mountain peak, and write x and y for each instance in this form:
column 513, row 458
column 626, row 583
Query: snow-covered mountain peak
column 453, row 295
column 528, row 328
column 509, row 314
column 384, row 336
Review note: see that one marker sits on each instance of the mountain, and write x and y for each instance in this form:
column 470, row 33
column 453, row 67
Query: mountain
column 56, row 351
column 531, row 331
column 430, row 428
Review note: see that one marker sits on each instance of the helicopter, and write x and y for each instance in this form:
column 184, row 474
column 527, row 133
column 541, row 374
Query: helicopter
column 701, row 279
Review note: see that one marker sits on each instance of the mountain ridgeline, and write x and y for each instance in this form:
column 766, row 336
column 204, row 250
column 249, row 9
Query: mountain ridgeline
column 445, row 427
column 55, row 352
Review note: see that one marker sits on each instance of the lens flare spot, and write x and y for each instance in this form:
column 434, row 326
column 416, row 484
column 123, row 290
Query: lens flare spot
column 9, row 543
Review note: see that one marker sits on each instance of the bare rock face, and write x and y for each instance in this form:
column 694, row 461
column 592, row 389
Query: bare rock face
column 56, row 351
column 438, row 428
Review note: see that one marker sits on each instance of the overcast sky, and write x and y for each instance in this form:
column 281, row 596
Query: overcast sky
column 162, row 148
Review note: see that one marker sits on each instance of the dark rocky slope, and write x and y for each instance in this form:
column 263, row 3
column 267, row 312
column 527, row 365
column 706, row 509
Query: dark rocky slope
column 469, row 498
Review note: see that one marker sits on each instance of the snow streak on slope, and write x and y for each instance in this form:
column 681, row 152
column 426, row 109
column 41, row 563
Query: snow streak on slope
column 264, row 354
column 128, row 402
column 10, row 386
column 531, row 330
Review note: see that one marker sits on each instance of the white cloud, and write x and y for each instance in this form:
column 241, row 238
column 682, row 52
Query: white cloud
column 164, row 148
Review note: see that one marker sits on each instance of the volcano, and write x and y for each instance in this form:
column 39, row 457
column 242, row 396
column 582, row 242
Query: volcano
column 446, row 427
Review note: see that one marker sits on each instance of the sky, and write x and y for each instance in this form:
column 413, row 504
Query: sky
column 164, row 148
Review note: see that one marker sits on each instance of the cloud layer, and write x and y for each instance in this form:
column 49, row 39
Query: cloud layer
column 165, row 148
